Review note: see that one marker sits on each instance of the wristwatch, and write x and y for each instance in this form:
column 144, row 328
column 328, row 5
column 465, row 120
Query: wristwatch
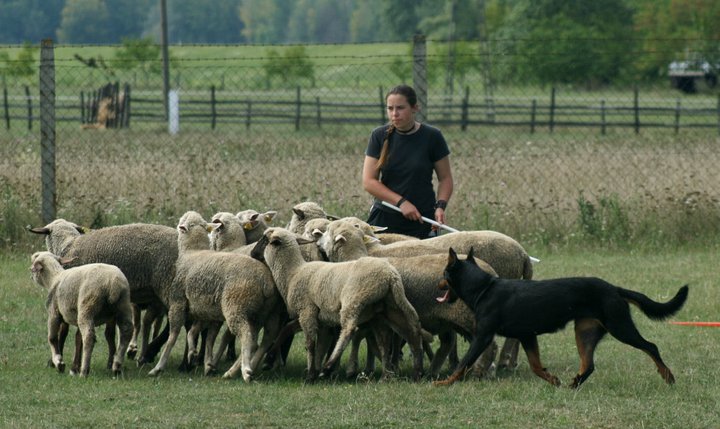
column 441, row 204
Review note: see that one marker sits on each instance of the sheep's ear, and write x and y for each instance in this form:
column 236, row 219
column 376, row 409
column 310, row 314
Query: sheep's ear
column 316, row 233
column 339, row 238
column 303, row 240
column 66, row 261
column 299, row 213
column 210, row 227
column 269, row 215
column 36, row 267
column 43, row 230
column 332, row 217
column 379, row 228
column 82, row 229
column 251, row 224
column 182, row 228
column 367, row 239
column 218, row 224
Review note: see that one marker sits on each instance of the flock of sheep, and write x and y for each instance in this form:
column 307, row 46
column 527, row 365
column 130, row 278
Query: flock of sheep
column 340, row 281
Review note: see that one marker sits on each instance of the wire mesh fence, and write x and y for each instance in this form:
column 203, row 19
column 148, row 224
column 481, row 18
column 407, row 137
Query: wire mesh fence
column 539, row 163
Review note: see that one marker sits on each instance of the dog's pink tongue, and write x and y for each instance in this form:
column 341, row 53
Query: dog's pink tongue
column 443, row 298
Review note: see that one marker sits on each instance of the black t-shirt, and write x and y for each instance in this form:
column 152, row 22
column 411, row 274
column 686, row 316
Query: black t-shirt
column 409, row 167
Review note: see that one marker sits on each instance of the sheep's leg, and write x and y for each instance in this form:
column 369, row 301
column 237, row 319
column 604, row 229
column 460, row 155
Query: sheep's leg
column 77, row 357
column 110, row 338
column 348, row 323
column 62, row 334
column 224, row 342
column 87, row 329
column 447, row 341
column 137, row 326
column 373, row 352
column 484, row 366
column 508, row 359
column 54, row 326
column 399, row 322
column 383, row 336
column 176, row 320
column 270, row 332
column 353, row 363
column 212, row 332
column 309, row 324
column 240, row 327
column 126, row 327
column 192, row 337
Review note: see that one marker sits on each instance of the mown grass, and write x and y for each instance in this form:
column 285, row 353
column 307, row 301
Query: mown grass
column 624, row 392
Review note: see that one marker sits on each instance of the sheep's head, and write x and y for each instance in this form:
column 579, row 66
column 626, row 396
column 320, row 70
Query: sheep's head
column 255, row 223
column 343, row 241
column 193, row 232
column 275, row 240
column 59, row 234
column 43, row 264
column 227, row 233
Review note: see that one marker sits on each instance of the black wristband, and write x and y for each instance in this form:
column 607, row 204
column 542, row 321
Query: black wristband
column 441, row 204
column 400, row 201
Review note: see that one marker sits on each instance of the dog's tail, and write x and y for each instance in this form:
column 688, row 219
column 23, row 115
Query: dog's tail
column 656, row 310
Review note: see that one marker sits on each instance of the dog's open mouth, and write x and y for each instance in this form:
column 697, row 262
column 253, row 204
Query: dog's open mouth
column 445, row 287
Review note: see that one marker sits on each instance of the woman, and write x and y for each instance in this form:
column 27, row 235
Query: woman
column 399, row 163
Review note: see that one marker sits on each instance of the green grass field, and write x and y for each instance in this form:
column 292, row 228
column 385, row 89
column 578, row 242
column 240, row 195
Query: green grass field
column 624, row 392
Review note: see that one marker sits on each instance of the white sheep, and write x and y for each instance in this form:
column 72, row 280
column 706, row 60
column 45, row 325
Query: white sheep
column 507, row 257
column 378, row 231
column 255, row 223
column 145, row 253
column 86, row 296
column 211, row 287
column 322, row 295
column 421, row 275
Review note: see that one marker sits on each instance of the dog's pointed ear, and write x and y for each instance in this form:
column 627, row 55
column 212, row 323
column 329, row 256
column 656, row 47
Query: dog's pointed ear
column 471, row 254
column 452, row 258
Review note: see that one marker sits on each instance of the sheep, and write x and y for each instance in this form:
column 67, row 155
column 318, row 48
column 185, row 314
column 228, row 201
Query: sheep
column 86, row 297
column 348, row 294
column 378, row 231
column 302, row 213
column 255, row 223
column 421, row 275
column 145, row 253
column 507, row 257
column 211, row 287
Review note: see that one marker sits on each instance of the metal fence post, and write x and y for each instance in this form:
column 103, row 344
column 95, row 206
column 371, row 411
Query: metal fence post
column 47, row 130
column 419, row 73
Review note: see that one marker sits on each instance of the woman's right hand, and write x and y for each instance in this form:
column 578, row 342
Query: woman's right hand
column 409, row 211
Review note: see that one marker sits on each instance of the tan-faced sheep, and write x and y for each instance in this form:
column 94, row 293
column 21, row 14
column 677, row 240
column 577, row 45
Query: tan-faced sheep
column 86, row 296
column 343, row 241
column 378, row 231
column 349, row 294
column 211, row 287
column 255, row 223
column 145, row 253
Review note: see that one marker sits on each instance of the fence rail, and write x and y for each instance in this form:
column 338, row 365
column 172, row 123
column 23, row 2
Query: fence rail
column 216, row 109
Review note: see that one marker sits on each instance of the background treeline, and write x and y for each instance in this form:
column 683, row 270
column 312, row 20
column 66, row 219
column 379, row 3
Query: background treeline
column 586, row 42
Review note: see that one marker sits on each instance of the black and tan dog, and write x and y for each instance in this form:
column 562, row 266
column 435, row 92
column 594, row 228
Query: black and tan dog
column 524, row 309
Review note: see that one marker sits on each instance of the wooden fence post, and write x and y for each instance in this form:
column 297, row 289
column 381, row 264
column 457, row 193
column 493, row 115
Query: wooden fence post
column 677, row 116
column 248, row 114
column 47, row 130
column 603, row 125
column 318, row 112
column 636, row 107
column 552, row 110
column 126, row 108
column 382, row 105
column 718, row 113
column 29, row 107
column 533, row 108
column 465, row 107
column 7, row 108
column 297, row 108
column 213, row 111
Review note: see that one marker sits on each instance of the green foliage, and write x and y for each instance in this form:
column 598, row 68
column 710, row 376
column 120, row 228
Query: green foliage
column 605, row 221
column 291, row 66
column 138, row 53
column 23, row 65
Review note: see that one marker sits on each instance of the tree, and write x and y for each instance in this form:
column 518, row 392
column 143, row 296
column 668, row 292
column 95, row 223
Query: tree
column 140, row 54
column 84, row 21
column 555, row 41
column 29, row 20
column 22, row 66
column 293, row 65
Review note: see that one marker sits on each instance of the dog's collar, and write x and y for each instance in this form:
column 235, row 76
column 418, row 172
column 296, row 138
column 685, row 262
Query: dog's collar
column 480, row 296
